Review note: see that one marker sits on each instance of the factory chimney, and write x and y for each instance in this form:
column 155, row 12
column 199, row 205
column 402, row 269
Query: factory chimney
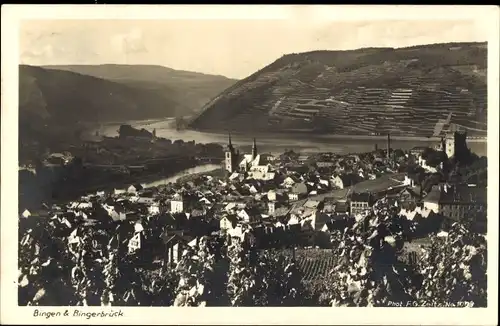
column 388, row 145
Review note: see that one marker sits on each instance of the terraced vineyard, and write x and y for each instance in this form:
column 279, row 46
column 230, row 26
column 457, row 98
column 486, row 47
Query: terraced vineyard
column 313, row 263
column 417, row 91
column 316, row 268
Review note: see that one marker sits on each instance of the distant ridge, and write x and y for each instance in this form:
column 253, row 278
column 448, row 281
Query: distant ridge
column 190, row 90
column 59, row 100
column 407, row 91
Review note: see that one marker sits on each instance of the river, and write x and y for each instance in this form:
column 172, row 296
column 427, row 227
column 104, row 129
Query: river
column 197, row 169
column 163, row 181
column 278, row 143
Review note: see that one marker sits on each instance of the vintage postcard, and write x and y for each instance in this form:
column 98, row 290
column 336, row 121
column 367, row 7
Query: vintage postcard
column 269, row 164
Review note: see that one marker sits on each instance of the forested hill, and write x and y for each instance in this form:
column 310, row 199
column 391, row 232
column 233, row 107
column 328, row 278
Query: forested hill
column 58, row 100
column 189, row 90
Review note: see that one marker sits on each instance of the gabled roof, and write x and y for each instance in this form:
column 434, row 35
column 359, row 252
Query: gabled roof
column 341, row 207
column 233, row 219
column 137, row 186
column 361, row 197
column 433, row 196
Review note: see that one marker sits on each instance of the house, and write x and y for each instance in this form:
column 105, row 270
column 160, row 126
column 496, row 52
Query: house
column 135, row 243
column 293, row 220
column 293, row 197
column 205, row 200
column 409, row 197
column 290, row 181
column 323, row 183
column 271, row 195
column 26, row 213
column 423, row 163
column 261, row 172
column 300, row 189
column 175, row 244
column 145, row 200
column 312, row 204
column 409, row 180
column 431, row 200
column 324, row 164
column 417, row 150
column 177, row 204
column 248, row 215
column 254, row 189
column 154, row 209
column 303, row 158
column 281, row 212
column 134, row 188
column 360, row 202
column 319, row 220
column 345, row 180
column 456, row 202
column 329, row 204
column 228, row 222
column 116, row 213
column 272, row 206
column 81, row 205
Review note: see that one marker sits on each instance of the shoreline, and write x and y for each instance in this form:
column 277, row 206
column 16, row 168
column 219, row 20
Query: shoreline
column 285, row 133
column 143, row 179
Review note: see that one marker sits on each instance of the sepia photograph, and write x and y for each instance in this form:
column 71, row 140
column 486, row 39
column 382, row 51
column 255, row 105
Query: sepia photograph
column 232, row 162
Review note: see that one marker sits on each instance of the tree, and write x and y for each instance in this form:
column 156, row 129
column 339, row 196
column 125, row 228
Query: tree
column 454, row 269
column 368, row 272
column 44, row 266
column 196, row 275
column 243, row 284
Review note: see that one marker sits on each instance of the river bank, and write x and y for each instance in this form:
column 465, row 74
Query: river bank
column 153, row 179
column 37, row 189
column 314, row 135
column 277, row 143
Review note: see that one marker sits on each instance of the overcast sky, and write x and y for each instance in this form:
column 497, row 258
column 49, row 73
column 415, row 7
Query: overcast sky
column 233, row 48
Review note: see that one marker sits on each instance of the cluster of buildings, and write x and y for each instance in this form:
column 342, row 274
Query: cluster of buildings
column 267, row 201
column 453, row 145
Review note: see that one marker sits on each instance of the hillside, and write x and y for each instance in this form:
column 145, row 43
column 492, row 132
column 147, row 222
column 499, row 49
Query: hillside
column 54, row 102
column 190, row 90
column 405, row 91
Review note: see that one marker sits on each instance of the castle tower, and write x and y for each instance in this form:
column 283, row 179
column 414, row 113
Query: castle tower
column 230, row 157
column 254, row 150
column 449, row 145
column 443, row 144
column 460, row 142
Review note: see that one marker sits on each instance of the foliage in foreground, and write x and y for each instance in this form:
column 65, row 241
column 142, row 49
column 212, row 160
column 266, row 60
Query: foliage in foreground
column 62, row 264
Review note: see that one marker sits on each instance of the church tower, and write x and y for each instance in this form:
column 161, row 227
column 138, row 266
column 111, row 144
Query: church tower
column 231, row 157
column 254, row 150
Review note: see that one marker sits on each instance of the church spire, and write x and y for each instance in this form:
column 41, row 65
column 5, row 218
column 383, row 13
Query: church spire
column 230, row 144
column 254, row 149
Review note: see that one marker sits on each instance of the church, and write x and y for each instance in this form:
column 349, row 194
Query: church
column 247, row 163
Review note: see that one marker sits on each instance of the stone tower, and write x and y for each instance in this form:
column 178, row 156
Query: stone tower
column 456, row 145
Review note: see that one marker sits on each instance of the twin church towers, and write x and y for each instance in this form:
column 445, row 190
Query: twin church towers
column 233, row 157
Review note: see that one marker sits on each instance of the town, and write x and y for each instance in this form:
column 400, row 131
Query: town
column 293, row 203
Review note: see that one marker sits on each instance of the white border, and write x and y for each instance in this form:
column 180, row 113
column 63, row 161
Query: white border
column 10, row 313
